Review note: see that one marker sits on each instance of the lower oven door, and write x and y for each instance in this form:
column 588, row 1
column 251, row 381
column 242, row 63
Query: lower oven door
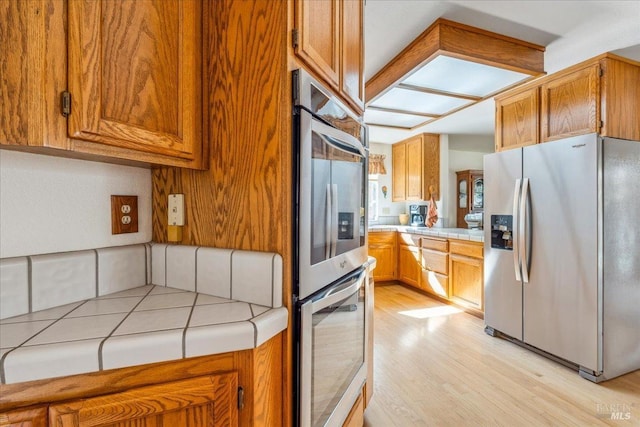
column 332, row 367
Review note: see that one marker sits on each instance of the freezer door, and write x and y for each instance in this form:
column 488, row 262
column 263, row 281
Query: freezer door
column 503, row 291
column 561, row 296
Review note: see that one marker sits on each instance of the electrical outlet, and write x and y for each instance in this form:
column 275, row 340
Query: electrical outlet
column 124, row 214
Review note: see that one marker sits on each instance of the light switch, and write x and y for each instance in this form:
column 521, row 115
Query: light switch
column 176, row 209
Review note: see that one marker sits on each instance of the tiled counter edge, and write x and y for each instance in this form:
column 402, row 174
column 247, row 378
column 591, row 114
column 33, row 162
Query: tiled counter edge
column 445, row 233
column 85, row 311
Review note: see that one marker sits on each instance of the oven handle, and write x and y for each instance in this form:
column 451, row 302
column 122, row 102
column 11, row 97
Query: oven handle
column 337, row 138
column 334, row 220
column 328, row 235
column 338, row 294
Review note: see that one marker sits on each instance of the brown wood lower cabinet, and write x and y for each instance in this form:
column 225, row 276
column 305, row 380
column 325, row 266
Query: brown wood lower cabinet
column 34, row 417
column 382, row 246
column 409, row 269
column 435, row 266
column 449, row 269
column 209, row 400
column 356, row 416
column 466, row 274
column 198, row 391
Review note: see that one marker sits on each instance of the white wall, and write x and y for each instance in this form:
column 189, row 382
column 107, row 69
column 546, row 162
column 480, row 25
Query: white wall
column 50, row 204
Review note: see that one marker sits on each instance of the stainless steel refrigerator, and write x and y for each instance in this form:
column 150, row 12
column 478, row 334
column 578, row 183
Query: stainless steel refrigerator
column 562, row 251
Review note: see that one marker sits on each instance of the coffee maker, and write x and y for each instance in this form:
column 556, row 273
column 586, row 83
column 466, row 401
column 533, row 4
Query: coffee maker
column 418, row 215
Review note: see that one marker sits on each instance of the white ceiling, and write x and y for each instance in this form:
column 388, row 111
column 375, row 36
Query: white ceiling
column 572, row 31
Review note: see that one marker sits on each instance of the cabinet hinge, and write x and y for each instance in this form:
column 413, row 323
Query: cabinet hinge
column 295, row 34
column 240, row 398
column 65, row 103
column 601, row 72
column 601, row 124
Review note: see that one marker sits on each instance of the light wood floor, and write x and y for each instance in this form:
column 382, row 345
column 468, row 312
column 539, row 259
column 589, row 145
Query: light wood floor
column 444, row 370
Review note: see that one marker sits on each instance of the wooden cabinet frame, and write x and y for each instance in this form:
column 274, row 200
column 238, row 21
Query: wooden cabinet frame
column 416, row 168
column 599, row 95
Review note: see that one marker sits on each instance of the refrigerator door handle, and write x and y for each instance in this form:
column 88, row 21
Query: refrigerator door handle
column 515, row 231
column 524, row 238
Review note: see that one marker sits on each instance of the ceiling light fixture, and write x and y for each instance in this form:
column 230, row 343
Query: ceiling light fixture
column 450, row 66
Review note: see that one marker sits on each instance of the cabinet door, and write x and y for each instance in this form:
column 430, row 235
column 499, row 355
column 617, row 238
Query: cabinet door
column 463, row 198
column 409, row 268
column 385, row 255
column 465, row 276
column 517, row 119
column 319, row 38
column 477, row 193
column 414, row 169
column 209, row 400
column 430, row 166
column 571, row 104
column 36, row 417
column 135, row 74
column 399, row 173
column 435, row 283
column 352, row 75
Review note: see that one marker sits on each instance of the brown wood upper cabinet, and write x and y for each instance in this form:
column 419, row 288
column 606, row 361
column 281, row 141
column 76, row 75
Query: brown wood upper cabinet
column 106, row 80
column 517, row 120
column 599, row 95
column 328, row 38
column 416, row 168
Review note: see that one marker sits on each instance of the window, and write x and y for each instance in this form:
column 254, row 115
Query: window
column 373, row 198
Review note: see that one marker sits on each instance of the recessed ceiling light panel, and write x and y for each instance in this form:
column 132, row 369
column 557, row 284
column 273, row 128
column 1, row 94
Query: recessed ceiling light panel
column 448, row 74
column 420, row 102
column 385, row 118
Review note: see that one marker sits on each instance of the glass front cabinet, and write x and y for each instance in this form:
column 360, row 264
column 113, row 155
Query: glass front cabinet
column 470, row 194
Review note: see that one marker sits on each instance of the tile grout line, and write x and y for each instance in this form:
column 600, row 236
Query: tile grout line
column 97, row 273
column 30, row 284
column 100, row 362
column 4, row 356
column 184, row 331
column 231, row 274
column 166, row 249
column 196, row 269
column 255, row 333
column 273, row 267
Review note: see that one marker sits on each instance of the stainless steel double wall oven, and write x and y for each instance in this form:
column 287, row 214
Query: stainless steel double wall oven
column 330, row 147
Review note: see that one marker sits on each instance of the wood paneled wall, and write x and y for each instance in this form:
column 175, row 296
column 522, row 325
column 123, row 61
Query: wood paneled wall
column 244, row 201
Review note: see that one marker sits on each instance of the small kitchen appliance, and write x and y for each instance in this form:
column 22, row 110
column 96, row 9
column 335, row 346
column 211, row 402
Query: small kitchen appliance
column 474, row 220
column 418, row 214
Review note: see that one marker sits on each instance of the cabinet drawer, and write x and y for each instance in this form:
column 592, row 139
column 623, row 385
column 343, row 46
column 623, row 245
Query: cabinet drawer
column 474, row 250
column 435, row 261
column 435, row 283
column 409, row 239
column 382, row 237
column 436, row 244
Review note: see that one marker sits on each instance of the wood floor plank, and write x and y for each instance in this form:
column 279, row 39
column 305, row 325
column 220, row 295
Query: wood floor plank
column 435, row 366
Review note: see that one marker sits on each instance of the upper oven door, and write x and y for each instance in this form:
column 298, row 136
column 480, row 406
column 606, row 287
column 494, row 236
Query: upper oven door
column 332, row 204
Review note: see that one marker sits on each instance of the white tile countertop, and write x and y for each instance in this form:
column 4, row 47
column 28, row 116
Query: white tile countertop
column 446, row 233
column 87, row 311
column 133, row 327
